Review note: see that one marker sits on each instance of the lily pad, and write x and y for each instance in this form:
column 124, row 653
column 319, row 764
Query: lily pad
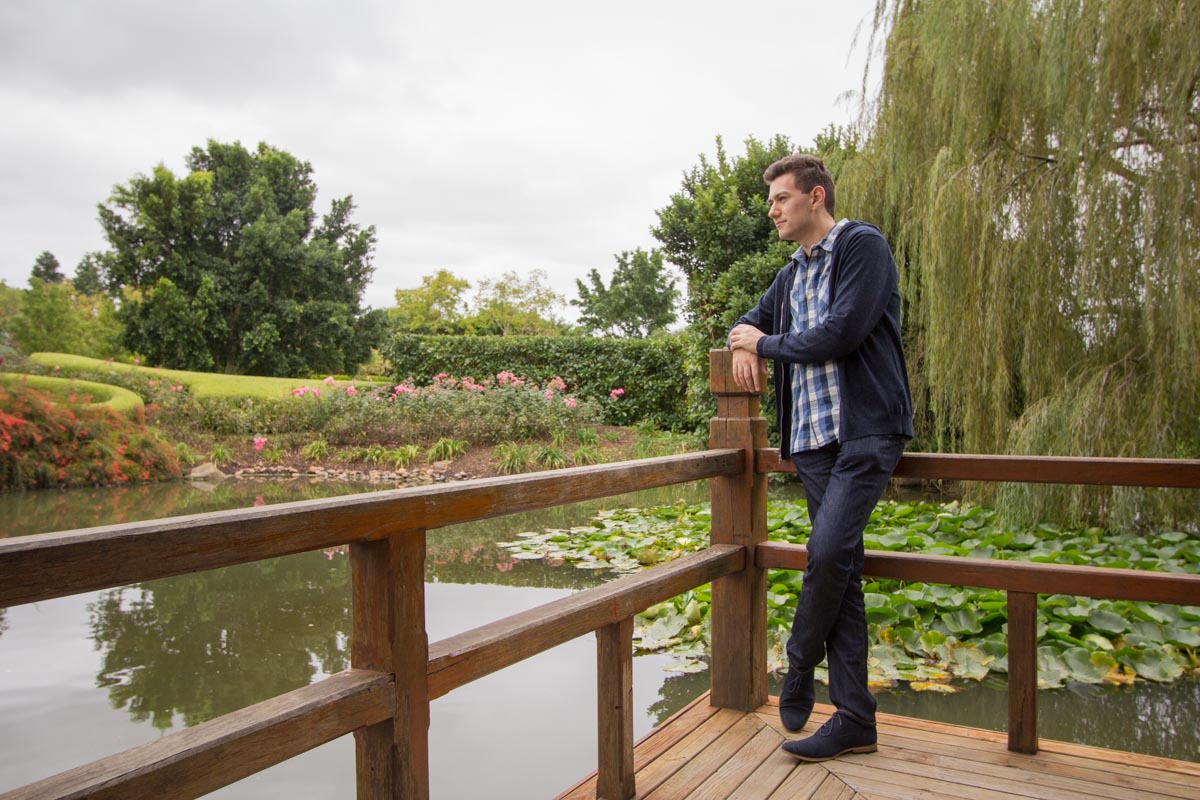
column 1107, row 622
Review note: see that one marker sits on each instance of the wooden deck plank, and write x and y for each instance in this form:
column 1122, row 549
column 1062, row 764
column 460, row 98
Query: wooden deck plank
column 800, row 785
column 771, row 773
column 711, row 758
column 1119, row 784
column 704, row 753
column 740, row 766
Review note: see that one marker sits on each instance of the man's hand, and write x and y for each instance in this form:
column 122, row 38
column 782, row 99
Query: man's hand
column 745, row 337
column 749, row 371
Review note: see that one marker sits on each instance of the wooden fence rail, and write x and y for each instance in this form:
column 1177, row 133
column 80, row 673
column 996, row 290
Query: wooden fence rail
column 395, row 673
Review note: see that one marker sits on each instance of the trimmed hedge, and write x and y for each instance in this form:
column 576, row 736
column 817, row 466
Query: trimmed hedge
column 651, row 371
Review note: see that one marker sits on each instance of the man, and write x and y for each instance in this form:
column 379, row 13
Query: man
column 831, row 323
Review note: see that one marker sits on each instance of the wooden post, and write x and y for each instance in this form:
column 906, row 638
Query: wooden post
column 739, row 516
column 389, row 636
column 1022, row 672
column 614, row 660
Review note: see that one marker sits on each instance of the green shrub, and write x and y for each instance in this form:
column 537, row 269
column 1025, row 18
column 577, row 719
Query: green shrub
column 551, row 457
column 220, row 454
column 43, row 445
column 651, row 372
column 511, row 457
column 316, row 450
column 586, row 454
column 587, row 436
column 404, row 455
column 446, row 449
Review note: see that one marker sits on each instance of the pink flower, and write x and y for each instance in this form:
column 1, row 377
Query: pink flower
column 549, row 394
column 615, row 393
column 259, row 501
column 152, row 383
column 329, row 379
column 137, row 361
column 260, row 442
column 557, row 383
column 350, row 390
column 402, row 389
column 57, row 368
column 177, row 388
column 570, row 402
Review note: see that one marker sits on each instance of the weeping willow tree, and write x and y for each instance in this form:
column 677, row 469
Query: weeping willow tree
column 1036, row 164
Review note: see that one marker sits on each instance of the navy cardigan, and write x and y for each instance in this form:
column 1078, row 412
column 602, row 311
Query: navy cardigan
column 861, row 333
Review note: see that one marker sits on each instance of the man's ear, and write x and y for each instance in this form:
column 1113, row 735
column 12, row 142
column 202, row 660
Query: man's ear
column 818, row 195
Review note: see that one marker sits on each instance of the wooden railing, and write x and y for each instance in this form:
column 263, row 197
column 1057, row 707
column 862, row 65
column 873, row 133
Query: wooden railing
column 384, row 697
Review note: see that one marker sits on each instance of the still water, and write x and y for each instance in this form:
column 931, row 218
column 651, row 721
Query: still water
column 86, row 676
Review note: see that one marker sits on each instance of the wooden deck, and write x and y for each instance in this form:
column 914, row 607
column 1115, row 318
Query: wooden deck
column 706, row 752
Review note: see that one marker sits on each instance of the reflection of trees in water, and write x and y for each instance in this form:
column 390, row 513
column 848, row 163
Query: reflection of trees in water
column 206, row 644
column 676, row 692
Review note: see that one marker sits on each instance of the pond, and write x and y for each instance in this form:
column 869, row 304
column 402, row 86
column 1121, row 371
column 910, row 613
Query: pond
column 85, row 676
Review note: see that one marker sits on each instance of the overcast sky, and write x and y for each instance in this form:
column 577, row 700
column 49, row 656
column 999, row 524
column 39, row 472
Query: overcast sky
column 478, row 137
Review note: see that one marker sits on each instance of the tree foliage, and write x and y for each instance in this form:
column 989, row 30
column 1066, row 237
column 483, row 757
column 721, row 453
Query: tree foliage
column 228, row 268
column 91, row 274
column 515, row 306
column 1037, row 166
column 437, row 306
column 639, row 300
column 46, row 269
column 57, row 318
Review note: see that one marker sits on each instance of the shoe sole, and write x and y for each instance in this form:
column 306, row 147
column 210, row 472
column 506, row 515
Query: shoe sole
column 866, row 748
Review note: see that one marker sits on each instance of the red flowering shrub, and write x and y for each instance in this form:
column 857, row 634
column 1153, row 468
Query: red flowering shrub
column 47, row 445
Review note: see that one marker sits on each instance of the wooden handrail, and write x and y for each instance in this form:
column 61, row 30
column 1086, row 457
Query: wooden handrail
column 197, row 760
column 50, row 565
column 1017, row 576
column 1156, row 472
column 468, row 656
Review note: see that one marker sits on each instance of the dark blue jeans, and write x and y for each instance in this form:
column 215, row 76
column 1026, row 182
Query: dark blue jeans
column 843, row 482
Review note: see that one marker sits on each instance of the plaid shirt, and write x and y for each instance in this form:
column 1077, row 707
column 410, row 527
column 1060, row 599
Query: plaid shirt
column 816, row 398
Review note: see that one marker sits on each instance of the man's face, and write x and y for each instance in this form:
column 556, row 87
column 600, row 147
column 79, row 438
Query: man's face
column 793, row 211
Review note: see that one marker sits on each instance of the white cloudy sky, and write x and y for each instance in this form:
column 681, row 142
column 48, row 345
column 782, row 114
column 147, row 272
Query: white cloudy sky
column 477, row 137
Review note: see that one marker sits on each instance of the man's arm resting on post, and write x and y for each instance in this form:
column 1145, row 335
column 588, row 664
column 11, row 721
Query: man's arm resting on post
column 749, row 368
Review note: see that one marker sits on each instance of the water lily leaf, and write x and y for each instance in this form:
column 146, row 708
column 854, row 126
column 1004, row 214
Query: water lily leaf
column 1145, row 633
column 970, row 662
column 1173, row 536
column 1191, row 613
column 1151, row 664
column 1107, row 622
column 882, row 615
column 1088, row 667
column 963, row 622
column 687, row 667
column 933, row 686
column 1023, row 541
column 1052, row 672
column 1095, row 641
column 1181, row 637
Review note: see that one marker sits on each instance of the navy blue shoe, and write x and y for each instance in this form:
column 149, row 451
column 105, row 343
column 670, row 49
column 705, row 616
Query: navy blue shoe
column 796, row 698
column 840, row 735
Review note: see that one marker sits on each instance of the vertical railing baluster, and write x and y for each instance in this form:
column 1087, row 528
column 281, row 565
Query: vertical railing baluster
column 614, row 660
column 739, row 516
column 388, row 579
column 1022, row 672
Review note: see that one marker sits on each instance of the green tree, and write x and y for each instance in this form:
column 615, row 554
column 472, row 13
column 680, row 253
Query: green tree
column 512, row 306
column 436, row 306
column 91, row 274
column 1037, row 165
column 639, row 300
column 227, row 268
column 46, row 269
column 54, row 317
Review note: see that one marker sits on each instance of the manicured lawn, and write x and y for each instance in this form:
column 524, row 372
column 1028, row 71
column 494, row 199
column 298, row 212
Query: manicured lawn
column 62, row 389
column 200, row 384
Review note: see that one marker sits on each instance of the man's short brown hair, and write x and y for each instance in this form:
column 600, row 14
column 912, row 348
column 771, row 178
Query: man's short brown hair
column 807, row 171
